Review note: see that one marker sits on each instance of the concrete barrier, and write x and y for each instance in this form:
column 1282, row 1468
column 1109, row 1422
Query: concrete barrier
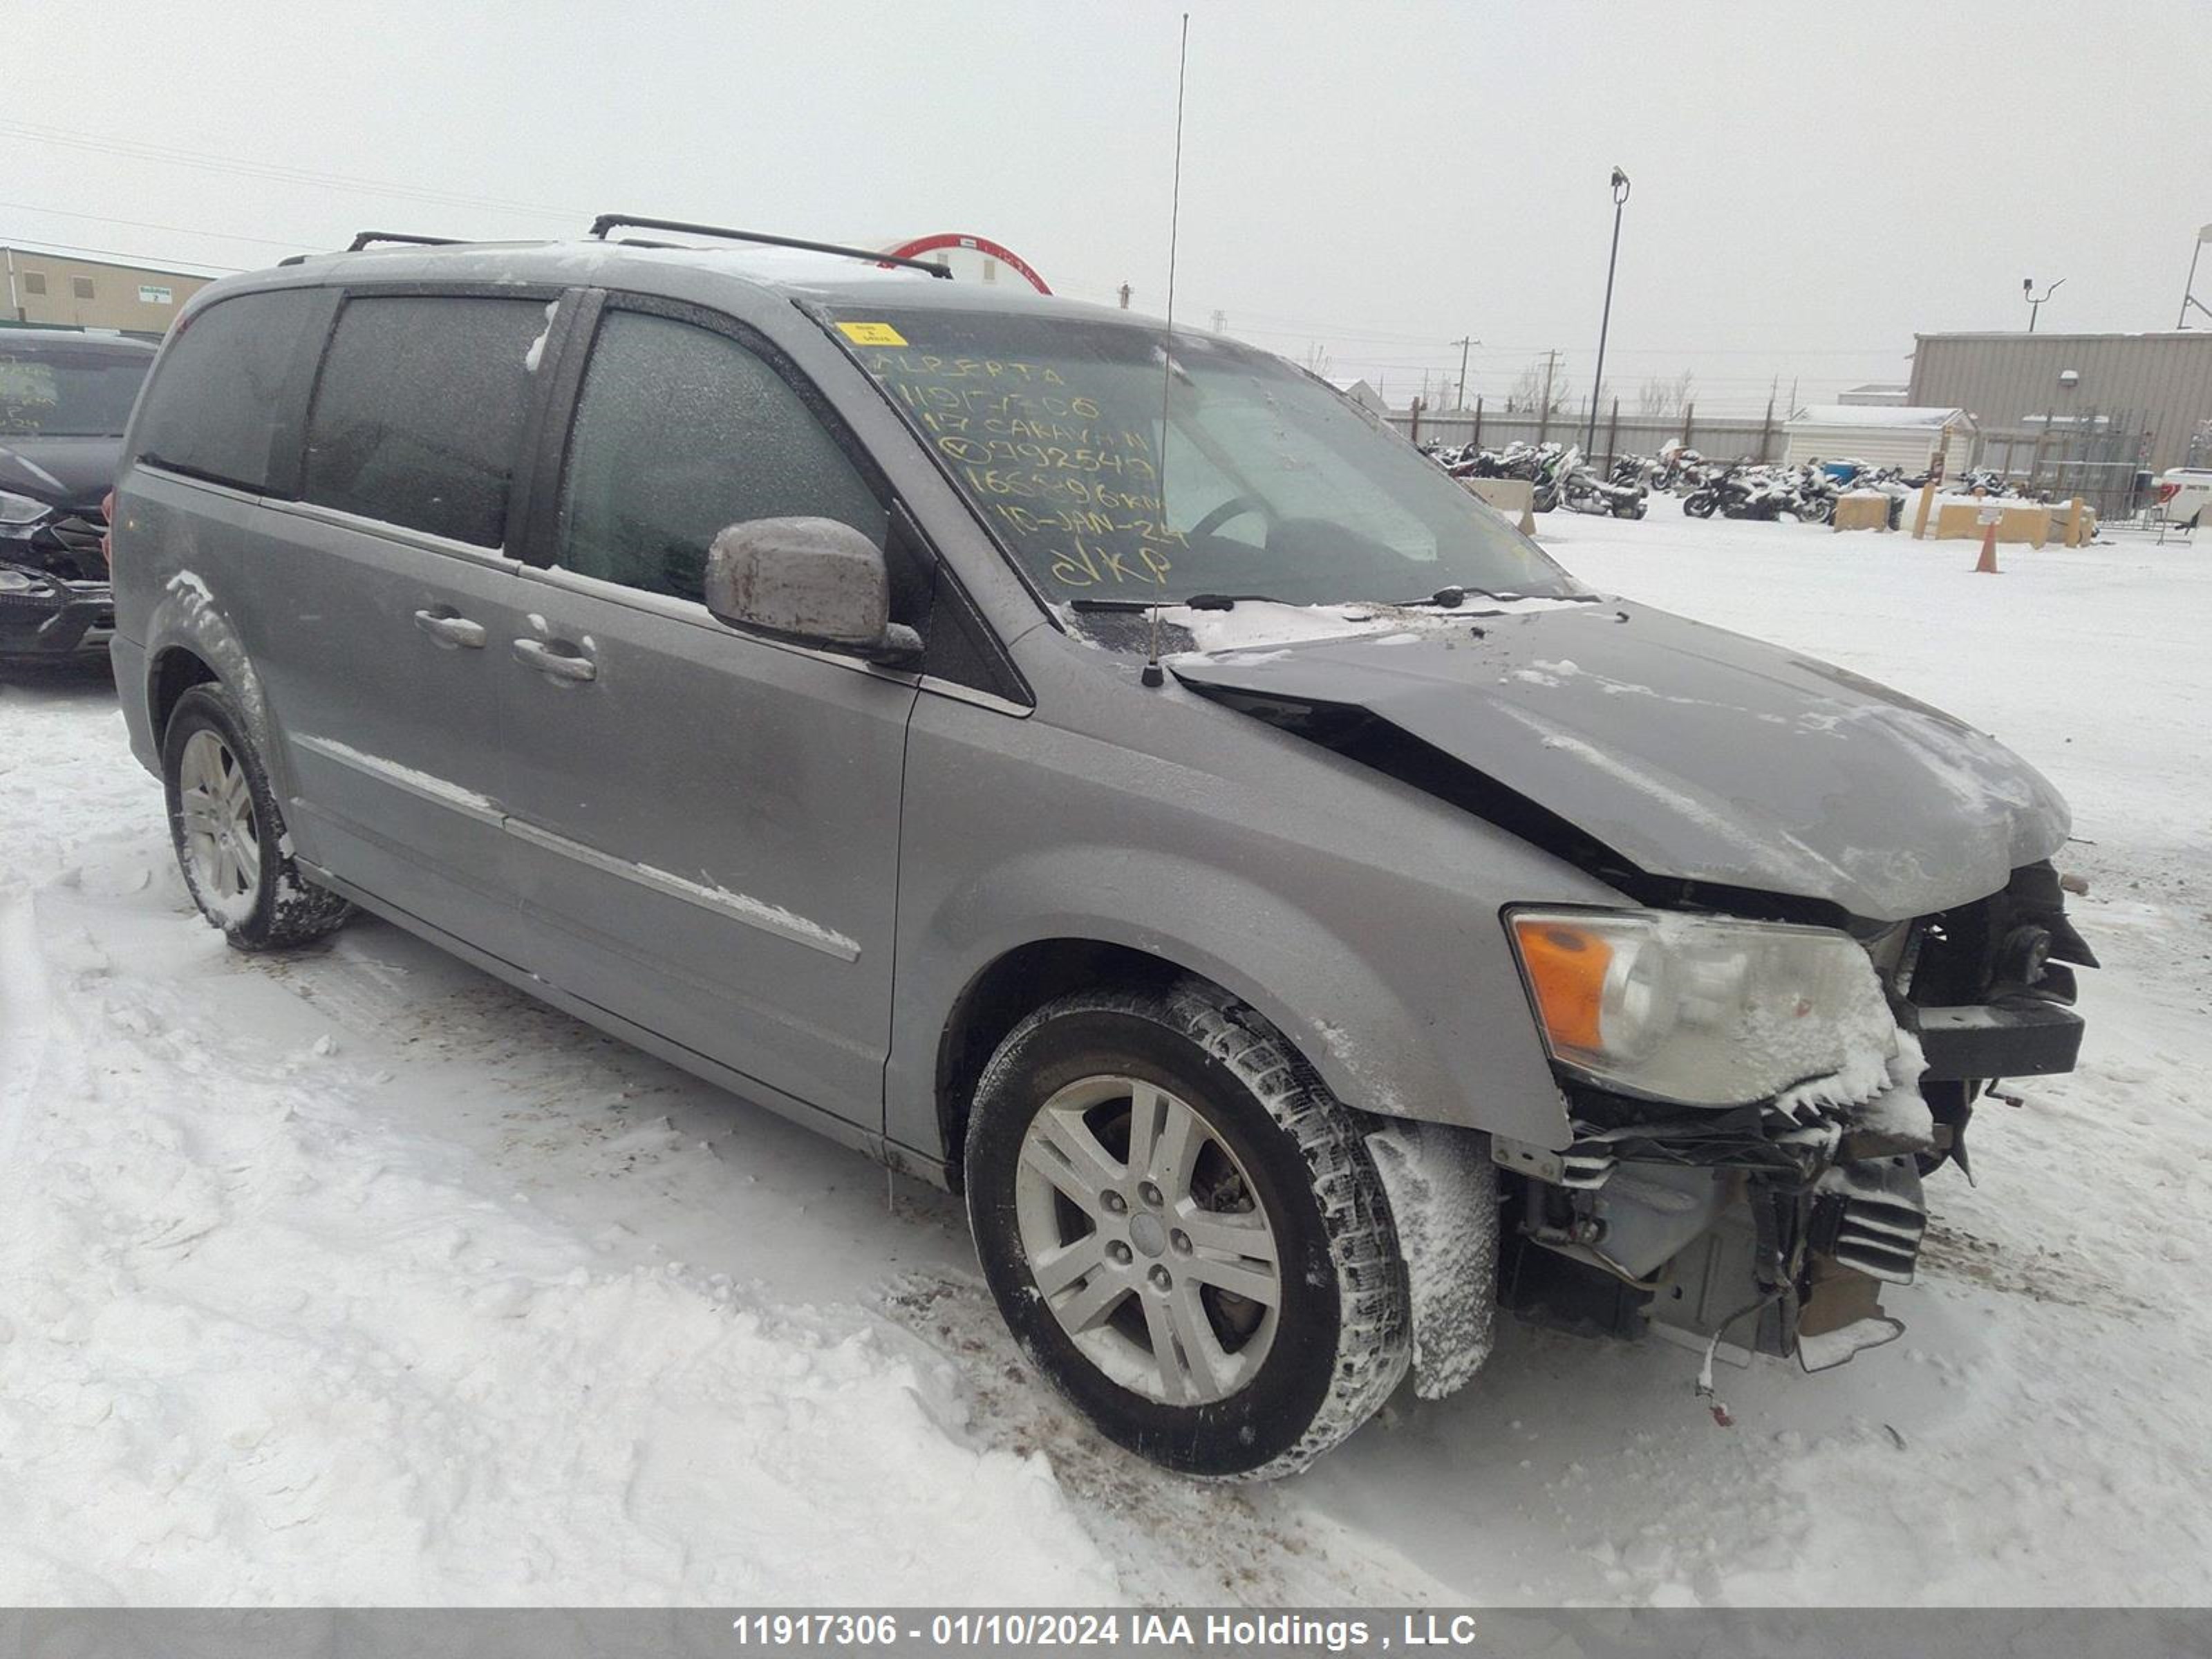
column 1862, row 509
column 2023, row 524
column 1514, row 497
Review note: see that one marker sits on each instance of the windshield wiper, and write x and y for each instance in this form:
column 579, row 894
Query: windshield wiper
column 1195, row 602
column 1444, row 599
column 1450, row 599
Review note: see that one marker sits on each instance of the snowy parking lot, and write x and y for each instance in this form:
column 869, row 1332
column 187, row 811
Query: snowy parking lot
column 354, row 1276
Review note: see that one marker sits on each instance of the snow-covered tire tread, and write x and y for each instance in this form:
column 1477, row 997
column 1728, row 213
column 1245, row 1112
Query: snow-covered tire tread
column 292, row 911
column 1374, row 1344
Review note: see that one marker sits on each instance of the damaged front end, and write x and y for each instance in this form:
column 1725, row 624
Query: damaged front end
column 1788, row 1022
column 1772, row 1228
column 1773, row 1224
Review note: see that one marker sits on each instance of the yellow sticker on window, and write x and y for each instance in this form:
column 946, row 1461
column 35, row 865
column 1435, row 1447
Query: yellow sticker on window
column 871, row 334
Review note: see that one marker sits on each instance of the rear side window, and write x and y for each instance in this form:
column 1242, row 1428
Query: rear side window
column 681, row 432
column 419, row 409
column 218, row 407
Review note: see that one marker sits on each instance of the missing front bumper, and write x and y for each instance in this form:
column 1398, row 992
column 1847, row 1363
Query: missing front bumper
column 1799, row 1273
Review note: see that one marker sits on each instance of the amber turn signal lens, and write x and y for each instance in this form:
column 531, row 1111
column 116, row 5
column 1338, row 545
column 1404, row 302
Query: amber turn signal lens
column 1566, row 967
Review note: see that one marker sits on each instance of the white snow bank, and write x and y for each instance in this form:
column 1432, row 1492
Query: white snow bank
column 258, row 1345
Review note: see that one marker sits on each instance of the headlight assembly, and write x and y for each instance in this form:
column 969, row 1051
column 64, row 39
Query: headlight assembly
column 1702, row 1011
column 15, row 510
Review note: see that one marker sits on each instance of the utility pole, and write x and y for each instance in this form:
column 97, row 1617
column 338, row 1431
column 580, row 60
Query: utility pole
column 1221, row 322
column 1126, row 291
column 1544, row 415
column 1463, row 344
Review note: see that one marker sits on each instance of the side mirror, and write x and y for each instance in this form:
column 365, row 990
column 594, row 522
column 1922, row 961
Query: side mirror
column 815, row 581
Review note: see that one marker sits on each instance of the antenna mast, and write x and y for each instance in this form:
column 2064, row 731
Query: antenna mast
column 1153, row 675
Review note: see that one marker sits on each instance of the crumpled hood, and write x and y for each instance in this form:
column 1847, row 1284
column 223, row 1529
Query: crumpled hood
column 72, row 473
column 1693, row 752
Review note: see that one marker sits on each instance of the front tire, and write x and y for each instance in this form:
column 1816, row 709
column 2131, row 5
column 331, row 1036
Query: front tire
column 1185, row 1231
column 228, row 834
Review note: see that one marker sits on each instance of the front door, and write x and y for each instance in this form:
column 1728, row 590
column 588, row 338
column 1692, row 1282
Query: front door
column 706, row 823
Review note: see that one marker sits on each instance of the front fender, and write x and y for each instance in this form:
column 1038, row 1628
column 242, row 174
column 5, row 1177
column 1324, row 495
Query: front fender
column 1320, row 989
column 1360, row 915
column 1332, row 992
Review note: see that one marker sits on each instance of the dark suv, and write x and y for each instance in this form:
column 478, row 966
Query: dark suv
column 64, row 399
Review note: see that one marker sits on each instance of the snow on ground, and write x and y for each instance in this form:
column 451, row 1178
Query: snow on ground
column 356, row 1276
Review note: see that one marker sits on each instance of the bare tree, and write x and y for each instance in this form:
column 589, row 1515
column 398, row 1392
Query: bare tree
column 1661, row 396
column 1526, row 397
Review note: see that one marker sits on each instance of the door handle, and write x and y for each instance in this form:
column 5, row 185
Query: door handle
column 568, row 667
column 450, row 629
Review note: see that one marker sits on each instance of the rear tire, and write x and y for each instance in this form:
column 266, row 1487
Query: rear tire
column 1185, row 1230
column 228, row 834
column 1698, row 505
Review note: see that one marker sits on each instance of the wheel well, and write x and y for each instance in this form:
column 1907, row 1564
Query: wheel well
column 176, row 670
column 1002, row 995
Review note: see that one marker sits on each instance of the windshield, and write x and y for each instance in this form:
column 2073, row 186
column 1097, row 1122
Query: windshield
column 51, row 391
column 1270, row 486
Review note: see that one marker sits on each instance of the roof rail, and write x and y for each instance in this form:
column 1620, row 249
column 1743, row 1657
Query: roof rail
column 607, row 222
column 369, row 236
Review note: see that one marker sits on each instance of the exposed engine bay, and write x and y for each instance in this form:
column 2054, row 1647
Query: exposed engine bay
column 1775, row 1226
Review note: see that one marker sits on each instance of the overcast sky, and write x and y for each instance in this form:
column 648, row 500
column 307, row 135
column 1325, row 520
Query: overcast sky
column 1811, row 184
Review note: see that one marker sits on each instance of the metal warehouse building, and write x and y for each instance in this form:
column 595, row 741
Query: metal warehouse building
column 2073, row 391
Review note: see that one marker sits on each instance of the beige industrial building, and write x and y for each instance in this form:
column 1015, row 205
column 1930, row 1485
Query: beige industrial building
column 54, row 287
column 2062, row 388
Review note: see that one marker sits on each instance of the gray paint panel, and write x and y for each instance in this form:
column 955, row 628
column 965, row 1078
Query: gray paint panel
column 1358, row 914
column 1697, row 753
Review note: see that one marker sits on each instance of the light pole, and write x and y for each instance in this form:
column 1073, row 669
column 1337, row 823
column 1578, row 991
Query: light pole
column 2027, row 293
column 2189, row 288
column 1619, row 201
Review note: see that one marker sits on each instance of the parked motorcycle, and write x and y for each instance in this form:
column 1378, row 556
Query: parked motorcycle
column 1581, row 490
column 1738, row 492
column 1814, row 495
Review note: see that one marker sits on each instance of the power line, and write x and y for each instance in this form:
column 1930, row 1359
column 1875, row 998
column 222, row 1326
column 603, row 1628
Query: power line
column 44, row 245
column 211, row 162
column 142, row 224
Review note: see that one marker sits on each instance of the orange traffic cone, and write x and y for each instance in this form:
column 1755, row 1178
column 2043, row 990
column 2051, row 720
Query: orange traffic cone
column 1987, row 564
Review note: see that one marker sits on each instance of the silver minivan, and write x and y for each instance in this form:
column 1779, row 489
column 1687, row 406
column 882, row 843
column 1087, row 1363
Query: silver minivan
column 1096, row 768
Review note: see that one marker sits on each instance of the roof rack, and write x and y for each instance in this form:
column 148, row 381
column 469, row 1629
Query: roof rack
column 369, row 236
column 607, row 222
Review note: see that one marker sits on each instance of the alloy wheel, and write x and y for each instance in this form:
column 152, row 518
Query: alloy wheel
column 1146, row 1240
column 223, row 842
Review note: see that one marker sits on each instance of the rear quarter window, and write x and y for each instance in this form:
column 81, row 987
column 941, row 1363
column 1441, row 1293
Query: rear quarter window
column 221, row 400
column 419, row 409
